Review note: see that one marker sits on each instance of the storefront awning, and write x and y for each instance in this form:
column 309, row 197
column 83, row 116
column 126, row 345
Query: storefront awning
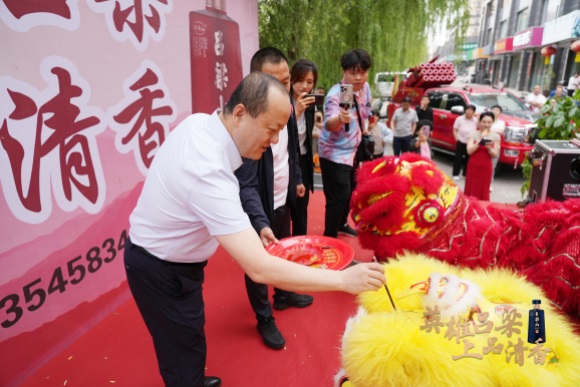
column 528, row 38
column 561, row 28
column 503, row 45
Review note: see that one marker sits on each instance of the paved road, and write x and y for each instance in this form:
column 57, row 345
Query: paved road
column 506, row 186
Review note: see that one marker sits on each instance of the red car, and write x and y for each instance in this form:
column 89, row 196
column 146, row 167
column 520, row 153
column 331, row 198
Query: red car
column 449, row 102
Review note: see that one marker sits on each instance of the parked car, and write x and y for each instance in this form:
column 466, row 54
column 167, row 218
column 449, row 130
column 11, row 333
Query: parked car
column 385, row 82
column 449, row 102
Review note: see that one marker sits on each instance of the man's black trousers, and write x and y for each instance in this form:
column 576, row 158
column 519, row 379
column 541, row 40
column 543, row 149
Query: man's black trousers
column 300, row 210
column 338, row 181
column 258, row 293
column 169, row 297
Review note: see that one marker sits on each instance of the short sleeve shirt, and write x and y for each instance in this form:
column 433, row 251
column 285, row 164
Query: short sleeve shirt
column 340, row 146
column 190, row 193
column 536, row 98
column 404, row 121
column 465, row 127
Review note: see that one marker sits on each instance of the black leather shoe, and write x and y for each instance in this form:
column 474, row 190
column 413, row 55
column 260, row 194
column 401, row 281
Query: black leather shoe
column 347, row 230
column 269, row 331
column 212, row 381
column 289, row 299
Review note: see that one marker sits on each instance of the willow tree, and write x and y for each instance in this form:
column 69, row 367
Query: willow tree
column 394, row 32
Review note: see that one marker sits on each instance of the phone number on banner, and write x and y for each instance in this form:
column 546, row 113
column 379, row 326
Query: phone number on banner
column 34, row 294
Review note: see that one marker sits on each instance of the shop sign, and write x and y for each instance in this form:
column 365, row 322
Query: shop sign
column 488, row 50
column 468, row 46
column 563, row 28
column 531, row 37
column 503, row 45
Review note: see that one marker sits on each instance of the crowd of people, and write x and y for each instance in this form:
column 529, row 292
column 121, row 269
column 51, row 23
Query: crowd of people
column 242, row 177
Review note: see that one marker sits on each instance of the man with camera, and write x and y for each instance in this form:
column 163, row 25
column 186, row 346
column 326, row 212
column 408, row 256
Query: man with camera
column 346, row 109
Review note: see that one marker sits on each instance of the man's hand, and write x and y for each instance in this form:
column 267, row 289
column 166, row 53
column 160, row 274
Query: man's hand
column 344, row 116
column 267, row 236
column 300, row 190
column 363, row 277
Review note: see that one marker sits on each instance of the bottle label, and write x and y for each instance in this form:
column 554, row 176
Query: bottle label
column 216, row 60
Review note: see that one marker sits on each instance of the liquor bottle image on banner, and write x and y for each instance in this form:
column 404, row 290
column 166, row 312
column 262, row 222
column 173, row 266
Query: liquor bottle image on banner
column 536, row 324
column 216, row 58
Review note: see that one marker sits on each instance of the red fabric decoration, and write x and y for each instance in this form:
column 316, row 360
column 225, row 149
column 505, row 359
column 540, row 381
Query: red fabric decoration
column 542, row 241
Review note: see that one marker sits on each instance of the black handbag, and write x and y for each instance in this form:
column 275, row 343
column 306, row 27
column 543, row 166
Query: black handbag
column 366, row 148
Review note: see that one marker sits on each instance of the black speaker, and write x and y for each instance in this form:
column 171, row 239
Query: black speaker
column 556, row 170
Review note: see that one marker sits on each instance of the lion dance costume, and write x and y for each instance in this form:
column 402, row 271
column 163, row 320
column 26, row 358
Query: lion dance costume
column 454, row 327
column 407, row 203
column 462, row 277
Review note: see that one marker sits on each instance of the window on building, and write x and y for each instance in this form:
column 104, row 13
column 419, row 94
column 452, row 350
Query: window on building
column 543, row 12
column 523, row 19
column 502, row 29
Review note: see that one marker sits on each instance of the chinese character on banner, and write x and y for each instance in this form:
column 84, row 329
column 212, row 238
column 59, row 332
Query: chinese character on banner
column 142, row 119
column 221, row 77
column 517, row 352
column 483, row 325
column 467, row 346
column 539, row 353
column 23, row 15
column 510, row 323
column 432, row 320
column 134, row 20
column 492, row 346
column 48, row 140
column 219, row 44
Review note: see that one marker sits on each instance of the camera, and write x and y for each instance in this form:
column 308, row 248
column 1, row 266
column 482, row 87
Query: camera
column 485, row 141
column 346, row 96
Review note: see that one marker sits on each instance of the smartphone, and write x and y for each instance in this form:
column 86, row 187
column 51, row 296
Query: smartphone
column 485, row 141
column 346, row 98
column 318, row 98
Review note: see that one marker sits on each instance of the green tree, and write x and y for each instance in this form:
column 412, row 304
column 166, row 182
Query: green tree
column 559, row 120
column 394, row 32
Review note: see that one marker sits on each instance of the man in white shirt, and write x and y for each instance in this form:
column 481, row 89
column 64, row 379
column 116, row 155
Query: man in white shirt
column 189, row 204
column 463, row 126
column 268, row 191
column 536, row 99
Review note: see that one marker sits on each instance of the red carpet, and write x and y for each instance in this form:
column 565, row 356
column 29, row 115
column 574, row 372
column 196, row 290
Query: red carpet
column 119, row 351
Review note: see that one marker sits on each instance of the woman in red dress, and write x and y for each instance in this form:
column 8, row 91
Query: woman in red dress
column 482, row 146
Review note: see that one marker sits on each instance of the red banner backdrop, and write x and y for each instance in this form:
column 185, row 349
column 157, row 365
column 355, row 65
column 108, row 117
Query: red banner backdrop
column 89, row 92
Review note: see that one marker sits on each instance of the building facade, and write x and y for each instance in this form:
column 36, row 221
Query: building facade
column 511, row 36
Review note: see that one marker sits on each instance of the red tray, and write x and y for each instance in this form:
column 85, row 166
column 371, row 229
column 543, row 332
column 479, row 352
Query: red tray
column 314, row 251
